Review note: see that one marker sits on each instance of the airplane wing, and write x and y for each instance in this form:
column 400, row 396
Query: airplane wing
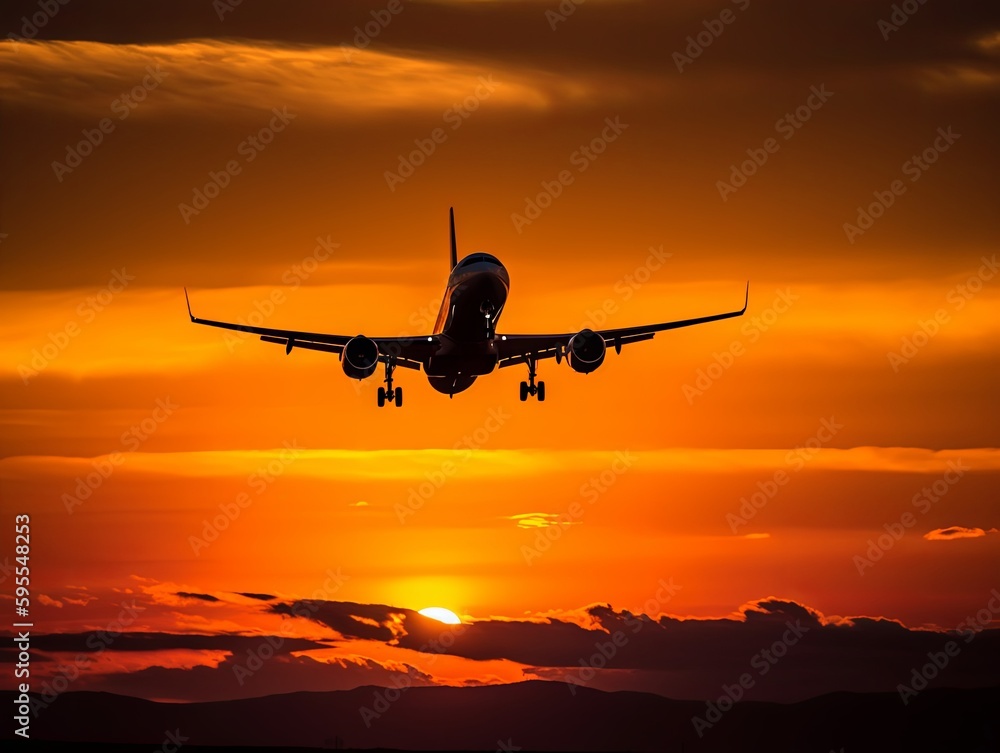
column 516, row 349
column 409, row 352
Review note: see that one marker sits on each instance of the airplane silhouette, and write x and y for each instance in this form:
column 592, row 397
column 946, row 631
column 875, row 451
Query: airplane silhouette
column 465, row 344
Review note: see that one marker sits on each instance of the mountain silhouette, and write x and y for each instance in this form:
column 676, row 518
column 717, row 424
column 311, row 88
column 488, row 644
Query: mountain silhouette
column 534, row 715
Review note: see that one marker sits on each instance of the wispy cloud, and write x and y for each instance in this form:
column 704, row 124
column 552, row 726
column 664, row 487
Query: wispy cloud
column 539, row 520
column 212, row 75
column 405, row 464
column 957, row 532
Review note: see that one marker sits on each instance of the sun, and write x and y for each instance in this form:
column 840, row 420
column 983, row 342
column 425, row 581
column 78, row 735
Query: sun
column 441, row 615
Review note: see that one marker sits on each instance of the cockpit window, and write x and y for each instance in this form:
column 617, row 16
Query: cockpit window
column 477, row 258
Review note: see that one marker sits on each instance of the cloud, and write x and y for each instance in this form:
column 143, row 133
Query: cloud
column 360, row 621
column 801, row 652
column 259, row 597
column 412, row 463
column 957, row 532
column 200, row 597
column 49, row 601
column 790, row 650
column 781, row 38
column 199, row 76
column 99, row 641
column 80, row 602
column 241, row 677
column 539, row 520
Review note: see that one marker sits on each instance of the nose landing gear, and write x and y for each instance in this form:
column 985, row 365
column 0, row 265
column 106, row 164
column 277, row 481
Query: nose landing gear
column 487, row 311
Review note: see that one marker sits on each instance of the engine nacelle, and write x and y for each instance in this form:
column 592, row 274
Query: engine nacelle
column 360, row 357
column 585, row 351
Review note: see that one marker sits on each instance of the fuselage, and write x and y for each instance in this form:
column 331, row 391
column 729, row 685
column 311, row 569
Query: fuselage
column 473, row 301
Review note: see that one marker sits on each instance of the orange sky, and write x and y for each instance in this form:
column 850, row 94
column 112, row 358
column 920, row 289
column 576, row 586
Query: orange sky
column 683, row 428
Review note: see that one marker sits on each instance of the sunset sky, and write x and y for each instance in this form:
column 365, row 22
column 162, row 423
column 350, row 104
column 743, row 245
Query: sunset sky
column 856, row 398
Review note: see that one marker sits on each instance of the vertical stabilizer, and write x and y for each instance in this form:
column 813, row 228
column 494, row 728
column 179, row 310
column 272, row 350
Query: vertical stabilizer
column 454, row 245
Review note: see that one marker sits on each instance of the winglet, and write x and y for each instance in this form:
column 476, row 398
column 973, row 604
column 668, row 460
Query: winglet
column 454, row 244
column 747, row 299
column 188, row 300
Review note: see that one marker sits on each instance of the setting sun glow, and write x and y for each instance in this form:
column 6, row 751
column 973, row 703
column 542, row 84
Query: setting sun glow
column 441, row 615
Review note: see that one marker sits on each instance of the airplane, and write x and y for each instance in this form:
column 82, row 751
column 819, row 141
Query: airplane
column 465, row 343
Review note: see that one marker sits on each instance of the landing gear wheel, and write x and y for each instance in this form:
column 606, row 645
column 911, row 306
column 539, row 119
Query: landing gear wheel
column 387, row 393
column 529, row 387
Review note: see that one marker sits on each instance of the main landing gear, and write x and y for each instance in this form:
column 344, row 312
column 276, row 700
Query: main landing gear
column 529, row 387
column 387, row 393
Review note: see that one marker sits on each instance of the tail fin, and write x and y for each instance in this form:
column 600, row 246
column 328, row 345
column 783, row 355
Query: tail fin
column 454, row 245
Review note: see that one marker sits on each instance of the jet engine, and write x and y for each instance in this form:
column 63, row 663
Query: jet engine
column 360, row 357
column 585, row 351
